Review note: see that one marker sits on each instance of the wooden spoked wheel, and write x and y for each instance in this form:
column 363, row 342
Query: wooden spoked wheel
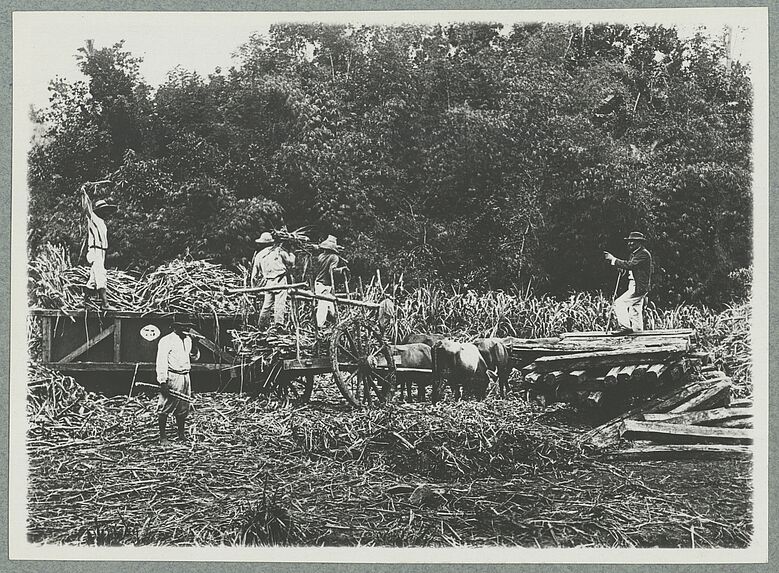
column 295, row 391
column 363, row 368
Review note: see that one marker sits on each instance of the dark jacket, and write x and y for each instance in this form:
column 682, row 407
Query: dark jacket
column 640, row 262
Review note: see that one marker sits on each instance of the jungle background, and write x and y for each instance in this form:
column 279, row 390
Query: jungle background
column 465, row 155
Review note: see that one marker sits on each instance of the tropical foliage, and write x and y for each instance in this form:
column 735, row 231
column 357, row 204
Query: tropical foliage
column 463, row 154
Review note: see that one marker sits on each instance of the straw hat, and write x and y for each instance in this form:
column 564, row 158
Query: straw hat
column 103, row 205
column 330, row 244
column 265, row 239
column 182, row 322
column 635, row 236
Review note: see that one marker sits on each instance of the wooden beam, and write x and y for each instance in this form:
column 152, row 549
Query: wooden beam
column 553, row 378
column 643, row 333
column 683, row 393
column 608, row 434
column 125, row 366
column 87, row 345
column 682, row 451
column 117, row 340
column 655, row 371
column 625, row 373
column 250, row 290
column 308, row 364
column 638, row 373
column 111, row 314
column 606, row 358
column 706, row 395
column 611, row 376
column 577, row 376
column 311, row 295
column 640, row 428
column 738, row 423
column 699, row 417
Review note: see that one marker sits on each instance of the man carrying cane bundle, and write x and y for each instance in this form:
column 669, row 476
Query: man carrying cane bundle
column 173, row 367
column 272, row 264
column 629, row 307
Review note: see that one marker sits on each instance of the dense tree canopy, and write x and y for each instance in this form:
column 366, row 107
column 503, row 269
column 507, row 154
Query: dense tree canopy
column 462, row 153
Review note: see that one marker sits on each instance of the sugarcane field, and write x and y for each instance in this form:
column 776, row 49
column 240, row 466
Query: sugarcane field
column 445, row 285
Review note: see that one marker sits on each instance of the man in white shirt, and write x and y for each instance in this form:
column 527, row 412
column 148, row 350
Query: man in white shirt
column 173, row 367
column 272, row 263
column 97, row 245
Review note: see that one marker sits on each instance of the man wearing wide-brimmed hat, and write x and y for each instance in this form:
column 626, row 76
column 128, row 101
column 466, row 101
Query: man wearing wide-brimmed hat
column 97, row 245
column 173, row 366
column 272, row 264
column 328, row 263
column 629, row 307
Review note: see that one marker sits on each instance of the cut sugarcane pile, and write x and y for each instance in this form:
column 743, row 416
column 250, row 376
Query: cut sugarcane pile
column 186, row 286
column 698, row 419
column 584, row 367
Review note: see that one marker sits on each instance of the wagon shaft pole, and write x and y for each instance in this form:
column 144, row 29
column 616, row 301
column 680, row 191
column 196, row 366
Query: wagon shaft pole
column 307, row 294
column 263, row 289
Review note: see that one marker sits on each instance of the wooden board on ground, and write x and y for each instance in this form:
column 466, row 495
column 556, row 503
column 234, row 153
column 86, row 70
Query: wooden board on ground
column 674, row 399
column 608, row 433
column 682, row 451
column 640, row 429
column 718, row 392
column 699, row 417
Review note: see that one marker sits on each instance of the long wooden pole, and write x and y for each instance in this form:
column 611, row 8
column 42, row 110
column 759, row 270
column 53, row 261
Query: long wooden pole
column 308, row 294
column 263, row 289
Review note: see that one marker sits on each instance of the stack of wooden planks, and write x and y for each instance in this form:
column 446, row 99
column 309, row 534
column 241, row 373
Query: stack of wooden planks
column 584, row 367
column 697, row 419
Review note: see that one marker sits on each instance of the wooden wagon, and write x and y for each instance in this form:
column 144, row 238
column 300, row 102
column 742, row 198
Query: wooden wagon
column 106, row 343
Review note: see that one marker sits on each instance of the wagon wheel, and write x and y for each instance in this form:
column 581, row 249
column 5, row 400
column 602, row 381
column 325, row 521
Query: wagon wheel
column 295, row 390
column 363, row 367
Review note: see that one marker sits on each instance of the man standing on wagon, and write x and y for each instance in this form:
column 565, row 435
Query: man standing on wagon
column 328, row 263
column 629, row 307
column 273, row 262
column 97, row 245
column 173, row 367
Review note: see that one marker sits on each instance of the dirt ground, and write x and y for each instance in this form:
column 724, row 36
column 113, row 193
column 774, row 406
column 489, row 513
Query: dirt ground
column 497, row 472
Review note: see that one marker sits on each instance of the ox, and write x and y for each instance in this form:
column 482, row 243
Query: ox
column 429, row 339
column 464, row 368
column 417, row 356
column 497, row 358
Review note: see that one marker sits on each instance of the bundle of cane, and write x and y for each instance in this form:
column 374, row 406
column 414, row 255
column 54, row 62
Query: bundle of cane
column 189, row 286
column 297, row 239
column 55, row 284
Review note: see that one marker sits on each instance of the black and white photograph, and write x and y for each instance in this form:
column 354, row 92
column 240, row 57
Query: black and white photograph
column 374, row 286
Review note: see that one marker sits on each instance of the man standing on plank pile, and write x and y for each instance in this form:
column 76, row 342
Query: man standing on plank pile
column 97, row 245
column 272, row 263
column 173, row 367
column 328, row 263
column 629, row 307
